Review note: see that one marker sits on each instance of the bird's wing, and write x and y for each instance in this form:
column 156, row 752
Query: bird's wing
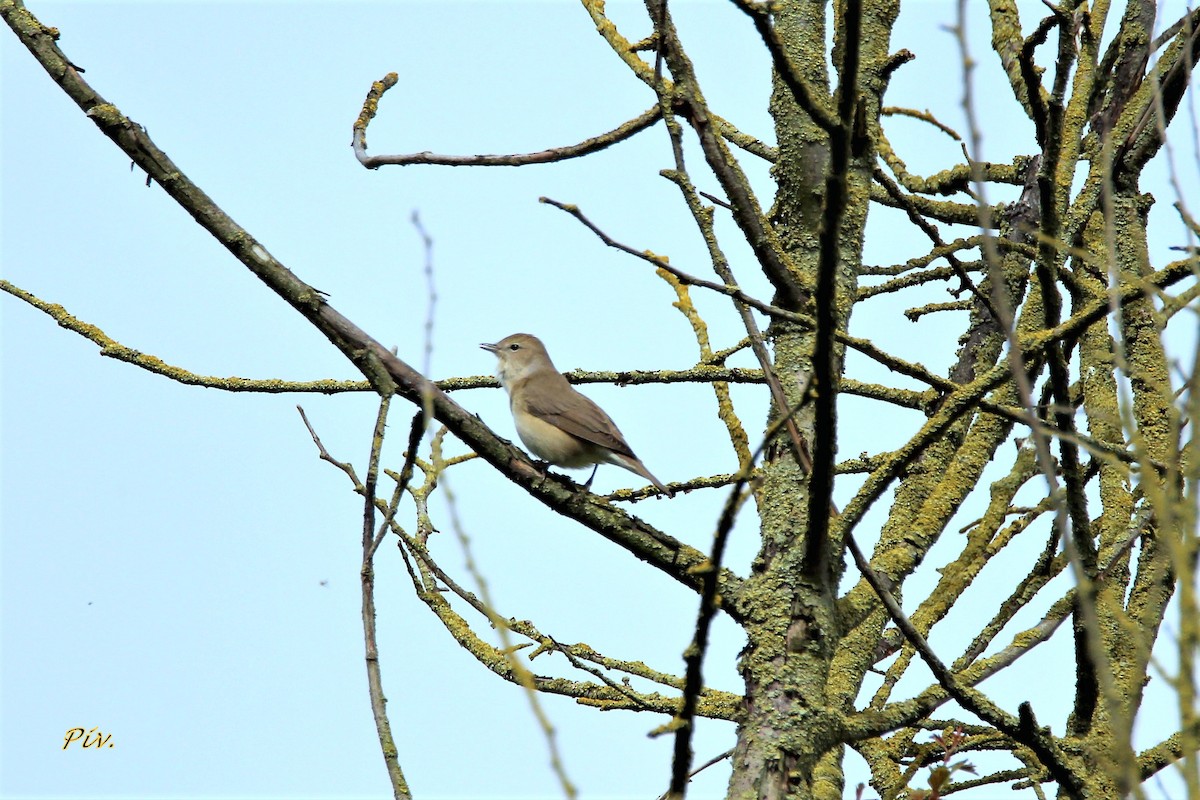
column 579, row 416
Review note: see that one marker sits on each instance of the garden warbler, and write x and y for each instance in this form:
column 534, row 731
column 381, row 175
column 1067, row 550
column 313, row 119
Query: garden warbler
column 557, row 423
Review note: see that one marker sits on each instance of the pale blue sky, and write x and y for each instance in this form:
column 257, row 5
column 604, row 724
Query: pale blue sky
column 181, row 571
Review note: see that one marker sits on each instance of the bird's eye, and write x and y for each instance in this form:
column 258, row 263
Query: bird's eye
column 514, row 347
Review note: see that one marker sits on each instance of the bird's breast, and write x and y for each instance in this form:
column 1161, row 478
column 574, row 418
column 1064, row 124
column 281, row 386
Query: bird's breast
column 553, row 444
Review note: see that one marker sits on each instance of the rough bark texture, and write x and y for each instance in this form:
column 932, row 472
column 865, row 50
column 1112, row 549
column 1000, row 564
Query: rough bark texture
column 790, row 739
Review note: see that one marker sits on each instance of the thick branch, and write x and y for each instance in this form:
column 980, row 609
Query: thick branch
column 385, row 371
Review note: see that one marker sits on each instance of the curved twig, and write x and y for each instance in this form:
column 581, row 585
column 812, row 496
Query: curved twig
column 588, row 146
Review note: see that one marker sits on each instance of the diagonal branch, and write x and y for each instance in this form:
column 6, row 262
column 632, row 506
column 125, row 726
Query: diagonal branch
column 1023, row 729
column 747, row 213
column 111, row 348
column 386, row 372
column 805, row 97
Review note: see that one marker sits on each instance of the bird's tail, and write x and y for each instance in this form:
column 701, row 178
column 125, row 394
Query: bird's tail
column 634, row 464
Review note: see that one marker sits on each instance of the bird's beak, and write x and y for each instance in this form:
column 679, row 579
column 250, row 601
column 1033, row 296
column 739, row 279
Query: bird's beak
column 491, row 348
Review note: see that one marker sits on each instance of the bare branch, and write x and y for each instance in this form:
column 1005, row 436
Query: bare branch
column 1021, row 729
column 383, row 369
column 588, row 146
column 383, row 726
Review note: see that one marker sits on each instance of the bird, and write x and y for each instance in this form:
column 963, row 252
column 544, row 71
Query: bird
column 556, row 422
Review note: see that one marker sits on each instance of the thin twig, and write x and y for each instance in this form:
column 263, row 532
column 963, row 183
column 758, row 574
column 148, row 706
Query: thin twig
column 924, row 116
column 523, row 674
column 929, row 230
column 591, row 145
column 717, row 759
column 111, row 348
column 430, row 289
column 383, row 728
column 344, row 466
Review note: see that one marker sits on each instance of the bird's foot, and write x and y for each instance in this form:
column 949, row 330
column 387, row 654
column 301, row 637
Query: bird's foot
column 587, row 486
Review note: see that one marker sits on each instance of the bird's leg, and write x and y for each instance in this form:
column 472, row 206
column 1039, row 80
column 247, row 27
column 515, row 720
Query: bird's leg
column 544, row 468
column 587, row 487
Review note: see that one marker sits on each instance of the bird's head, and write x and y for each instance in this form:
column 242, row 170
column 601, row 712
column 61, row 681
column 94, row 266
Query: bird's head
column 519, row 356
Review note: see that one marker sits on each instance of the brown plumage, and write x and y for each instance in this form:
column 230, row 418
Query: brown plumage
column 556, row 422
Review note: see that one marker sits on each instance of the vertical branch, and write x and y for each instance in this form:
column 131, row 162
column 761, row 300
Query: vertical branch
column 685, row 720
column 1071, row 518
column 745, row 209
column 431, row 292
column 372, row 540
column 374, row 678
column 693, row 657
column 1059, row 157
column 846, row 138
column 1189, row 607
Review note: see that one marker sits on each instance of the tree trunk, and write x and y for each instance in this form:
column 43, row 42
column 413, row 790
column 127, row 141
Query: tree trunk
column 788, row 738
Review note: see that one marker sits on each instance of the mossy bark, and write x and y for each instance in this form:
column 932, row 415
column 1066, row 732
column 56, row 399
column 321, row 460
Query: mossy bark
column 789, row 739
